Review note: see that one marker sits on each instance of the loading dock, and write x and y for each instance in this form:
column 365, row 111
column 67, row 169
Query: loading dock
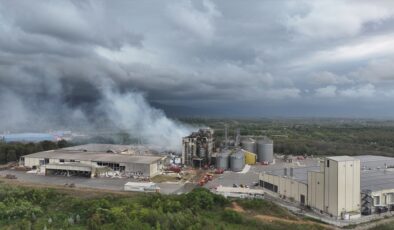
column 70, row 169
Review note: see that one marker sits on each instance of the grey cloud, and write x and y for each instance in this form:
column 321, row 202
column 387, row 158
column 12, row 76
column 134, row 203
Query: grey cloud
column 59, row 56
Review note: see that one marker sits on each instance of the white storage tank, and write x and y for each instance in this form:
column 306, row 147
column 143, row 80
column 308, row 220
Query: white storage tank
column 222, row 160
column 249, row 145
column 237, row 161
column 265, row 150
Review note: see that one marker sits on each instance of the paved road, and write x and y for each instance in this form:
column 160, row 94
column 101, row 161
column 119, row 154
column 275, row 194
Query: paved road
column 115, row 184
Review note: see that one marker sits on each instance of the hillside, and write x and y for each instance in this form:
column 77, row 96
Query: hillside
column 36, row 208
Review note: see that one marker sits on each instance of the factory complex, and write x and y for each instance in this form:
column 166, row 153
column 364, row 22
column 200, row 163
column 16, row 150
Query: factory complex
column 198, row 151
column 338, row 187
column 341, row 186
column 93, row 159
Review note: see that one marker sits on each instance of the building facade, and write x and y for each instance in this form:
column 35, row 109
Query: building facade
column 81, row 161
column 333, row 189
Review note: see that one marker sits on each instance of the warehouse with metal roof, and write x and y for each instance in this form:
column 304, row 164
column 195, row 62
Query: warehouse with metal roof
column 89, row 160
column 341, row 186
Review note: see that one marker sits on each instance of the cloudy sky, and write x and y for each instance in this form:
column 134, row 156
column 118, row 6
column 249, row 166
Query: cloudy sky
column 332, row 58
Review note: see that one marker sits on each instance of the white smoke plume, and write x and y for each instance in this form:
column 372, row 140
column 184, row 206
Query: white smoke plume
column 132, row 113
column 110, row 111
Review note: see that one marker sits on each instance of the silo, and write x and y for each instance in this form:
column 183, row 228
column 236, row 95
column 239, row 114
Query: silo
column 250, row 158
column 249, row 145
column 265, row 150
column 222, row 160
column 237, row 161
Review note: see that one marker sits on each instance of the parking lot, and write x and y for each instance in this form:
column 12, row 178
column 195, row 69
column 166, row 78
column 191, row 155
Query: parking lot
column 229, row 178
column 115, row 184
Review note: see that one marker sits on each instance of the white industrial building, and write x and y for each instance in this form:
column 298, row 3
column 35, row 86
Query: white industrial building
column 89, row 160
column 341, row 186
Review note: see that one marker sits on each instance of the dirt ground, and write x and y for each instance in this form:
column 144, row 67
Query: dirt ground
column 164, row 178
column 267, row 218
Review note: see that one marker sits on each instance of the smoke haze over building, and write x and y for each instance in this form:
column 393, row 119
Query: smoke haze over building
column 75, row 63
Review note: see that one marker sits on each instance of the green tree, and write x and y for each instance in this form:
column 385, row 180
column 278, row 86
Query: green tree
column 62, row 144
column 11, row 155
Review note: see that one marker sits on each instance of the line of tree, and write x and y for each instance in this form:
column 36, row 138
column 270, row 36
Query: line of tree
column 12, row 151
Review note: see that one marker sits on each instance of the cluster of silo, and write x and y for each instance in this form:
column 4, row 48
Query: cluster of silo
column 263, row 147
column 265, row 150
column 233, row 161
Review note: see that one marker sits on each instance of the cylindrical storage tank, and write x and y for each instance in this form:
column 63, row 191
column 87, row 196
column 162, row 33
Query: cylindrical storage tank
column 265, row 150
column 222, row 160
column 250, row 158
column 237, row 161
column 249, row 145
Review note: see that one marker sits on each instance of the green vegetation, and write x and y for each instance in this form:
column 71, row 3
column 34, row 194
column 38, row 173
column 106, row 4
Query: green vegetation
column 13, row 151
column 388, row 226
column 313, row 136
column 26, row 208
column 265, row 207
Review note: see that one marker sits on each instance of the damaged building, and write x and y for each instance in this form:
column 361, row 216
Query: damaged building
column 92, row 159
column 197, row 148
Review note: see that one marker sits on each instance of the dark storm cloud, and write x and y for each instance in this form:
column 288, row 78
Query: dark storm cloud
column 59, row 57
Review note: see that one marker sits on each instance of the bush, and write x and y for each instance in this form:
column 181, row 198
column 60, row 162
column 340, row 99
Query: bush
column 232, row 217
column 264, row 207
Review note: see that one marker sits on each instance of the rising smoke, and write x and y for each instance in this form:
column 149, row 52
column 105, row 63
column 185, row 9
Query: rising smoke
column 131, row 112
column 53, row 77
column 127, row 112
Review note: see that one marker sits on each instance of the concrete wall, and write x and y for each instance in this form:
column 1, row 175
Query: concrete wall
column 133, row 168
column 331, row 187
column 316, row 190
column 342, row 186
column 153, row 169
column 287, row 187
column 30, row 162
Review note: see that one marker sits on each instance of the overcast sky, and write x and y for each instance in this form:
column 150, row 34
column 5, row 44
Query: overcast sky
column 233, row 58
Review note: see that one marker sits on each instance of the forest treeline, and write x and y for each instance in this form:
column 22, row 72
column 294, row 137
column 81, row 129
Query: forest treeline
column 312, row 136
column 12, row 151
column 25, row 208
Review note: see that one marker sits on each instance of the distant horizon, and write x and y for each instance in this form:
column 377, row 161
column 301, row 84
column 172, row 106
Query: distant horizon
column 101, row 64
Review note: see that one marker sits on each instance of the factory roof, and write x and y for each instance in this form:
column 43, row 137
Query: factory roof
column 342, row 158
column 96, row 156
column 130, row 149
column 374, row 175
column 299, row 174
